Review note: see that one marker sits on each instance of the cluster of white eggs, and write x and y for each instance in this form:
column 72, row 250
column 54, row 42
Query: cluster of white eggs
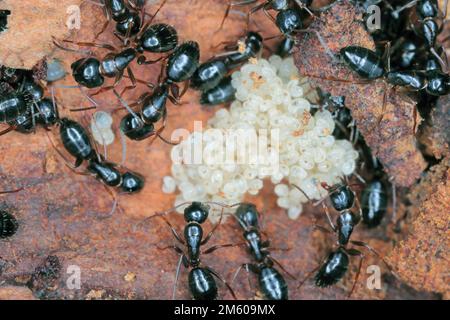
column 101, row 128
column 270, row 105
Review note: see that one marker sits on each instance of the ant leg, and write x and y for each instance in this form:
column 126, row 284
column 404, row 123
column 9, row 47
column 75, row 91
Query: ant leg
column 254, row 10
column 404, row 7
column 219, row 246
column 309, row 275
column 93, row 44
column 185, row 88
column 172, row 229
column 246, row 267
column 330, row 221
column 278, row 248
column 230, row 5
column 336, row 79
column 281, row 267
column 177, row 275
column 11, row 191
column 157, row 11
column 132, row 79
column 394, row 200
column 123, row 102
column 322, row 43
column 210, row 234
column 354, row 252
column 60, row 46
column 143, row 60
column 134, row 82
column 373, row 251
column 160, row 130
column 321, row 228
column 78, row 161
column 10, row 128
column 441, row 61
column 302, row 6
column 383, row 109
column 115, row 203
column 180, row 261
column 214, row 273
column 106, row 24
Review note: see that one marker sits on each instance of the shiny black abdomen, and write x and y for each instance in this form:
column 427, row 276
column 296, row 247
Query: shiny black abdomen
column 374, row 203
column 363, row 61
column 202, row 284
column 438, row 83
column 154, row 105
column 8, row 225
column 208, row 75
column 11, row 106
column 135, row 129
column 158, row 38
column 183, row 62
column 75, row 139
column 333, row 269
column 224, row 92
column 87, row 72
column 272, row 284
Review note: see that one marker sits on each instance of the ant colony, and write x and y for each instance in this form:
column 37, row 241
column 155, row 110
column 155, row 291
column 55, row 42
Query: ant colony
column 272, row 109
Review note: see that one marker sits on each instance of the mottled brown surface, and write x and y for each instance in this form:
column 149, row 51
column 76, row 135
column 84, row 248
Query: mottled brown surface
column 62, row 214
column 34, row 25
column 435, row 133
column 392, row 141
column 422, row 259
column 16, row 293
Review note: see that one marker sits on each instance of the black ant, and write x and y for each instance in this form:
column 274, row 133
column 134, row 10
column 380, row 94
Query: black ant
column 210, row 77
column 333, row 269
column 288, row 16
column 428, row 12
column 369, row 65
column 8, row 223
column 76, row 141
column 374, row 195
column 201, row 281
column 271, row 282
column 90, row 72
column 4, row 19
column 180, row 67
column 210, row 73
column 26, row 106
column 124, row 13
column 222, row 93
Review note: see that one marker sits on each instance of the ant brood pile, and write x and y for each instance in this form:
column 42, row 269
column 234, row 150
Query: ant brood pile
column 271, row 96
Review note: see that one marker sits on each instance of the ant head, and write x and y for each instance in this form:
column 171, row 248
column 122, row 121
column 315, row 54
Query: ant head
column 196, row 212
column 341, row 196
column 132, row 182
column 279, row 5
column 247, row 215
column 253, row 36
